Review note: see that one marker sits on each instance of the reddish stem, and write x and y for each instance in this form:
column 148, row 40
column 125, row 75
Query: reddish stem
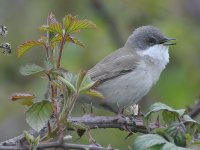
column 61, row 49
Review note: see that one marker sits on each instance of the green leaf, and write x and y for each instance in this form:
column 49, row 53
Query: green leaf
column 32, row 140
column 191, row 125
column 58, row 84
column 57, row 39
column 187, row 118
column 146, row 141
column 67, row 83
column 169, row 114
column 180, row 139
column 25, row 99
column 162, row 132
column 75, row 41
column 54, row 27
column 171, row 146
column 79, row 79
column 48, row 65
column 31, row 69
column 27, row 45
column 177, row 131
column 73, row 24
column 38, row 115
column 36, row 142
column 154, row 142
column 169, row 117
column 68, row 20
column 86, row 83
column 94, row 93
column 28, row 137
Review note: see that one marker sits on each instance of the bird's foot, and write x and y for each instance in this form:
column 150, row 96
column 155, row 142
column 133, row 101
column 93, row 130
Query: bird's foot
column 91, row 113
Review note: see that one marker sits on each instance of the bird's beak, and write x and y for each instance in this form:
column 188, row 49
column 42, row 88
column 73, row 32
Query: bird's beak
column 168, row 41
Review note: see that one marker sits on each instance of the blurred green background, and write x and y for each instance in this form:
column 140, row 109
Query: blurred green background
column 115, row 19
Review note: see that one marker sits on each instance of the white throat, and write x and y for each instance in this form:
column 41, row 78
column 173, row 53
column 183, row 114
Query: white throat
column 159, row 53
column 156, row 57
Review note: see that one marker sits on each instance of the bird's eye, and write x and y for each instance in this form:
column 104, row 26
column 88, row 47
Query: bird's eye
column 152, row 40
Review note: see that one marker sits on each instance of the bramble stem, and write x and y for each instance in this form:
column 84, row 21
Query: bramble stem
column 61, row 49
column 55, row 106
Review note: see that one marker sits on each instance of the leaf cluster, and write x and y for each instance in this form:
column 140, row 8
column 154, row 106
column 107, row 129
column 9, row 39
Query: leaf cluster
column 64, row 87
column 176, row 129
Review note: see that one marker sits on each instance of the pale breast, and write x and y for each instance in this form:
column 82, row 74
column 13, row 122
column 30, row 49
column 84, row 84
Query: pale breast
column 127, row 89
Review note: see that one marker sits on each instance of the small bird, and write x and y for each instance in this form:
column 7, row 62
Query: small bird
column 127, row 75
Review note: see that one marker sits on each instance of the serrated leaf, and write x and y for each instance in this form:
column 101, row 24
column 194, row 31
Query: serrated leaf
column 151, row 141
column 36, row 142
column 79, row 79
column 169, row 117
column 23, row 98
column 177, row 131
column 146, row 141
column 67, row 83
column 42, row 39
column 57, row 84
column 191, row 125
column 75, row 41
column 38, row 115
column 68, row 20
column 31, row 69
column 48, row 65
column 181, row 112
column 162, row 132
column 180, row 139
column 70, row 77
column 54, row 27
column 86, row 83
column 73, row 24
column 171, row 146
column 58, row 39
column 32, row 140
column 27, row 45
column 94, row 93
column 28, row 137
column 187, row 118
column 158, row 107
column 173, row 129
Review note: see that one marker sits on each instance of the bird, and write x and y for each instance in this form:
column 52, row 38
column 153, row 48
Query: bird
column 127, row 74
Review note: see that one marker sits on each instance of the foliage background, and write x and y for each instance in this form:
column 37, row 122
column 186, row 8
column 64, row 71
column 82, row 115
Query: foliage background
column 178, row 86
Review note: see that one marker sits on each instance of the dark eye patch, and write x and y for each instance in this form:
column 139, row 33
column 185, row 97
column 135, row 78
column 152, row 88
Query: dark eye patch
column 152, row 40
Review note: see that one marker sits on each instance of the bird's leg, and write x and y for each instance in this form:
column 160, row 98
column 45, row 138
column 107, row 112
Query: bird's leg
column 91, row 113
column 83, row 108
column 120, row 111
column 91, row 108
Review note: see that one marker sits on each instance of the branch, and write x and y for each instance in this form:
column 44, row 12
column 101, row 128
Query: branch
column 195, row 110
column 123, row 123
column 56, row 144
